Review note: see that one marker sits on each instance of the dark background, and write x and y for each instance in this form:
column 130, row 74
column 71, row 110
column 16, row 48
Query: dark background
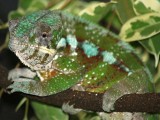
column 8, row 102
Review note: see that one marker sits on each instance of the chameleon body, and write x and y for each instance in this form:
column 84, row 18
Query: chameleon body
column 64, row 51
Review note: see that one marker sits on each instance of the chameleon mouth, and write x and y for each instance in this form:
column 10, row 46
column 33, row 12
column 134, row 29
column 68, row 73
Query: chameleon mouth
column 34, row 56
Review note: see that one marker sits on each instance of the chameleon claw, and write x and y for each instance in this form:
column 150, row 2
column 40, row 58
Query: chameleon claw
column 70, row 109
column 13, row 88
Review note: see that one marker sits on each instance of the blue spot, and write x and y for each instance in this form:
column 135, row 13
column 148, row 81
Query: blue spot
column 72, row 41
column 108, row 57
column 90, row 49
column 61, row 43
column 127, row 70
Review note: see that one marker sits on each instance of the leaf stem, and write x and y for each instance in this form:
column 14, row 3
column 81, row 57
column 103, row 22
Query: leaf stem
column 5, row 43
column 26, row 109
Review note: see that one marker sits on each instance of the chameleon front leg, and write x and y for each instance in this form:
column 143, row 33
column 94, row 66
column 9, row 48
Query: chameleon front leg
column 24, row 83
column 21, row 77
column 16, row 73
column 66, row 73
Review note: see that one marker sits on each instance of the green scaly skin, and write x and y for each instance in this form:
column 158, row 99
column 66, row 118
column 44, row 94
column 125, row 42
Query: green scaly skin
column 89, row 56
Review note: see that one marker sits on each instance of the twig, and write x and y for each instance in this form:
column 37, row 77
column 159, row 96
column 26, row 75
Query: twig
column 148, row 102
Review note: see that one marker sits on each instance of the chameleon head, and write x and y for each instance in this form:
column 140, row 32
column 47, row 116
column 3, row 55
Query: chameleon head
column 33, row 38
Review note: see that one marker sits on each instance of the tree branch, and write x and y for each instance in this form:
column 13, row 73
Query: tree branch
column 148, row 102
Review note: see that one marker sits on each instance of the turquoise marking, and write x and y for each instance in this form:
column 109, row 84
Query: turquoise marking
column 108, row 57
column 61, row 43
column 90, row 49
column 127, row 70
column 72, row 41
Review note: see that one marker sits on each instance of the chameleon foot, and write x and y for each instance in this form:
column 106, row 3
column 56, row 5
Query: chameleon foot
column 112, row 94
column 108, row 102
column 70, row 109
column 17, row 73
column 21, row 85
column 23, row 81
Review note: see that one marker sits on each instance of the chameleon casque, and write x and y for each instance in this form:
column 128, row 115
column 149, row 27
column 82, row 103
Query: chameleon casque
column 63, row 51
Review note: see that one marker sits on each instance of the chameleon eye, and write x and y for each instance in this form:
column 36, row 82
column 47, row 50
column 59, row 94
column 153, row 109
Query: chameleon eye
column 44, row 34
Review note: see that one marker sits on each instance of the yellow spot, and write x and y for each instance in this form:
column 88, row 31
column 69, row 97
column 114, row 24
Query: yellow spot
column 46, row 50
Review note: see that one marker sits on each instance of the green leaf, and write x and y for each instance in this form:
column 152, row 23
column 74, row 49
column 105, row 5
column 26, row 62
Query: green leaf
column 46, row 112
column 21, row 103
column 88, row 116
column 27, row 6
column 141, row 27
column 152, row 45
column 146, row 6
column 33, row 5
column 14, row 15
column 74, row 6
column 112, row 20
column 139, row 7
column 125, row 10
column 66, row 5
column 5, row 44
column 95, row 11
column 3, row 26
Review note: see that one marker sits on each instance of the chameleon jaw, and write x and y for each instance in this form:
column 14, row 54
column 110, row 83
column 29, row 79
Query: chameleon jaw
column 34, row 67
column 34, row 56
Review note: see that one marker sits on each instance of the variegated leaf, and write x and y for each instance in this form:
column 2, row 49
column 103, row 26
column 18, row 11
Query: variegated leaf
column 27, row 6
column 152, row 45
column 140, row 7
column 141, row 27
column 124, row 5
column 95, row 11
column 146, row 6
